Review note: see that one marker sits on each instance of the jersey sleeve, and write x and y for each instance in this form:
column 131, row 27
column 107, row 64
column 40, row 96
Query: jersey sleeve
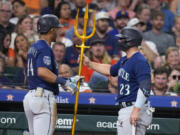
column 44, row 59
column 114, row 69
column 142, row 70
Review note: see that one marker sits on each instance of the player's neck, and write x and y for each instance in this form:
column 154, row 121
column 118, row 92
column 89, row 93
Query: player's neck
column 131, row 51
column 46, row 38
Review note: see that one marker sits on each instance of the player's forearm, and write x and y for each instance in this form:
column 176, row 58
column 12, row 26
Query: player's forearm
column 101, row 68
column 47, row 75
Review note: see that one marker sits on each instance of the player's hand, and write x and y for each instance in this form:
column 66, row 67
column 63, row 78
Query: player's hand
column 71, row 87
column 76, row 78
column 134, row 116
column 86, row 60
column 71, row 83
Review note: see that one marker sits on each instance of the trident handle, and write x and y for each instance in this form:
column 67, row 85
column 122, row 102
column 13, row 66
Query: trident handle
column 83, row 38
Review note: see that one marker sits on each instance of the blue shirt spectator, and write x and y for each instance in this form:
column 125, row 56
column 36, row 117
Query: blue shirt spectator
column 121, row 21
column 71, row 56
column 156, row 5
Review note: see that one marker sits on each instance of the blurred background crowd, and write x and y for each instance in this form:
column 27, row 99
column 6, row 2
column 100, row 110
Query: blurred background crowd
column 158, row 20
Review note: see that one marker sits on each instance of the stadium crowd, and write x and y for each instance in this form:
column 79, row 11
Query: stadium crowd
column 158, row 20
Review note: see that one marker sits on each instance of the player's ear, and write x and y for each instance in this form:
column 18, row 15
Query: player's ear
column 52, row 30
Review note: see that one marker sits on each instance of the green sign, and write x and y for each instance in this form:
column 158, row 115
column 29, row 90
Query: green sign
column 89, row 123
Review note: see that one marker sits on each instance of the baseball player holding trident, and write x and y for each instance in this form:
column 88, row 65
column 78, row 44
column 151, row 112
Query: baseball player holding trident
column 40, row 103
column 134, row 81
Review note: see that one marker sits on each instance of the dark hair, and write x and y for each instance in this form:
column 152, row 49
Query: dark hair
column 155, row 14
column 161, row 70
column 20, row 2
column 57, row 10
column 2, row 49
column 58, row 43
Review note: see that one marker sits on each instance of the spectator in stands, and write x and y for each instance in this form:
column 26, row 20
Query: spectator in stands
column 70, row 32
column 19, row 10
column 33, row 6
column 105, row 5
column 73, row 52
column 121, row 5
column 65, row 71
column 143, row 14
column 176, row 30
column 158, row 62
column 24, row 26
column 59, row 52
column 5, row 52
column 120, row 22
column 161, row 39
column 160, row 87
column 135, row 22
column 46, row 7
column 174, row 81
column 79, row 4
column 148, row 47
column 4, row 81
column 56, row 3
column 174, row 6
column 172, row 58
column 168, row 15
column 63, row 12
column 102, row 25
column 21, row 50
column 134, row 3
column 61, row 38
column 96, row 53
column 5, row 14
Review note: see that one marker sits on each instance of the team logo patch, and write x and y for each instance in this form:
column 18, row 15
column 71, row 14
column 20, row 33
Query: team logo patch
column 47, row 60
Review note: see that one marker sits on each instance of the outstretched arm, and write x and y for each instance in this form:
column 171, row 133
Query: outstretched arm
column 98, row 67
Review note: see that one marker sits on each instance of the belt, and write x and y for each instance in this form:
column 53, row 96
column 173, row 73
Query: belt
column 45, row 92
column 125, row 104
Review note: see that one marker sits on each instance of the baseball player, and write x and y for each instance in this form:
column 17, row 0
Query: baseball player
column 40, row 103
column 134, row 81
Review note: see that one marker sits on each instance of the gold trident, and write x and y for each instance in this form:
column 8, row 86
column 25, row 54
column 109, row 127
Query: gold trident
column 83, row 38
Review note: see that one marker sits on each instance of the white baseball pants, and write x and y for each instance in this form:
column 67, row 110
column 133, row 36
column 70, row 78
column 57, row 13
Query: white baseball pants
column 41, row 112
column 124, row 126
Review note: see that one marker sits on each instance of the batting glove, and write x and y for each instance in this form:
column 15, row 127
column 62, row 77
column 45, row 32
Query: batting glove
column 76, row 78
column 71, row 83
column 71, row 87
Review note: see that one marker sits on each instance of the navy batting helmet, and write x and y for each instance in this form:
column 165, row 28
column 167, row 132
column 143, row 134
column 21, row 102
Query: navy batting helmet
column 130, row 37
column 46, row 22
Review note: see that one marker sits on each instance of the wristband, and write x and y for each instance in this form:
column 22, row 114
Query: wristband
column 61, row 80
